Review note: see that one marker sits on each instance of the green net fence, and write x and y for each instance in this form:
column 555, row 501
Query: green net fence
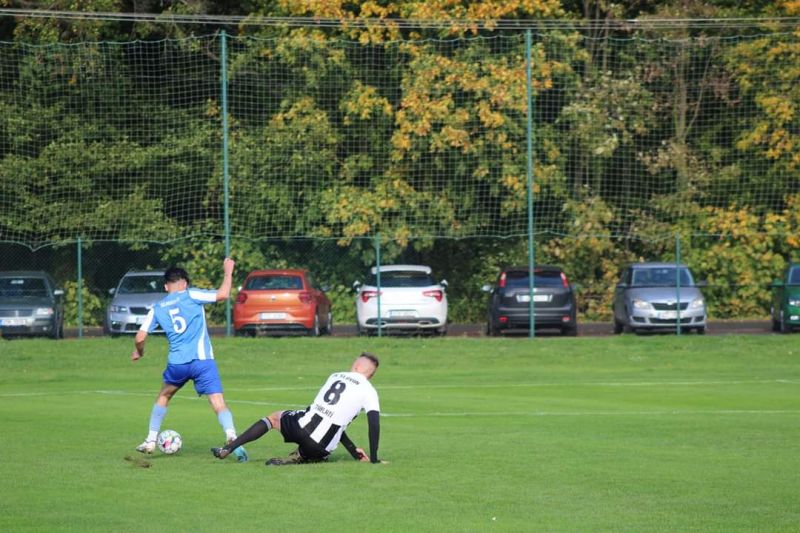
column 328, row 143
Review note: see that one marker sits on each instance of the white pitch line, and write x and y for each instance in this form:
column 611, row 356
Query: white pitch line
column 605, row 413
column 669, row 412
column 687, row 383
column 552, row 384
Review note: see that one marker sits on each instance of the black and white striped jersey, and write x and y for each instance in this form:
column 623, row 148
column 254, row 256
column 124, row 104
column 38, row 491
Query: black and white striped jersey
column 338, row 402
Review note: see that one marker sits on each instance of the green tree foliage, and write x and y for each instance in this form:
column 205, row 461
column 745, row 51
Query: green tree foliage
column 371, row 127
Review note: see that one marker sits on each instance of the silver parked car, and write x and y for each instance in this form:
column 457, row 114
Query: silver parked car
column 647, row 297
column 136, row 293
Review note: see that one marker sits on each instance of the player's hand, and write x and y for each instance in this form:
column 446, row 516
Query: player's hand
column 227, row 266
column 362, row 455
column 135, row 356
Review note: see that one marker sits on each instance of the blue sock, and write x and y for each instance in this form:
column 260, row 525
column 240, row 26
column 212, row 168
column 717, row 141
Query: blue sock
column 226, row 421
column 156, row 417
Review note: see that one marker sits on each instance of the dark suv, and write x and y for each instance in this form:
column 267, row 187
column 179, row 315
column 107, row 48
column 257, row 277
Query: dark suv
column 510, row 300
column 785, row 309
column 31, row 304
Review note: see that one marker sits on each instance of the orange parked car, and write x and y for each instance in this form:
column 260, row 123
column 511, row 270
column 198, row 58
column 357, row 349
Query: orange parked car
column 282, row 300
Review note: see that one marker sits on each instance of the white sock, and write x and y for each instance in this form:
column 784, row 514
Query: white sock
column 151, row 436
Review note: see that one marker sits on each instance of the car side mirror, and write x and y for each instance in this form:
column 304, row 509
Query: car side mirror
column 356, row 285
column 58, row 292
column 487, row 288
column 622, row 285
column 112, row 290
column 777, row 283
column 443, row 283
column 702, row 284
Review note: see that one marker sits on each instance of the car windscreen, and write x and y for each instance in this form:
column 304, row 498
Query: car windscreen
column 141, row 284
column 794, row 276
column 402, row 278
column 274, row 283
column 21, row 287
column 541, row 278
column 660, row 277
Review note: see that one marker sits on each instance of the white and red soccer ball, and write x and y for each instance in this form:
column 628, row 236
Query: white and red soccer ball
column 169, row 441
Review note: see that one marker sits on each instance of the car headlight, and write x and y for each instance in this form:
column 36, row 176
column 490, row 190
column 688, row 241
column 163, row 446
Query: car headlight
column 697, row 303
column 44, row 311
column 794, row 302
column 118, row 309
column 641, row 304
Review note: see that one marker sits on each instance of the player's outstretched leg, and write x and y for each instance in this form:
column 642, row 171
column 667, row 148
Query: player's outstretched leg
column 240, row 453
column 256, row 431
column 226, row 421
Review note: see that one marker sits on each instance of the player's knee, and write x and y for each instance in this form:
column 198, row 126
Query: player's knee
column 275, row 419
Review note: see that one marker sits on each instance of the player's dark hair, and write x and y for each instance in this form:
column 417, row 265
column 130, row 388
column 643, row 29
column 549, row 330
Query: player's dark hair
column 372, row 357
column 174, row 274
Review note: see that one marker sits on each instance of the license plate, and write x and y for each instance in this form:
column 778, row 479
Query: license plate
column 525, row 298
column 272, row 316
column 13, row 322
column 668, row 315
column 403, row 313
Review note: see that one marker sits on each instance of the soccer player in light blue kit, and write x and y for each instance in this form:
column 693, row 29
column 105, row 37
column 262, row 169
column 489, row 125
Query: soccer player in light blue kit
column 180, row 314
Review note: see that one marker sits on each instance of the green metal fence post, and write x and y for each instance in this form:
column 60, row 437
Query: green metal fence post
column 225, row 174
column 678, row 282
column 378, row 278
column 529, row 90
column 80, row 288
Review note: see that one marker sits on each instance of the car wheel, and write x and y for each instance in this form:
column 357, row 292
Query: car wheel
column 570, row 331
column 329, row 324
column 314, row 331
column 442, row 331
column 58, row 331
column 619, row 327
column 784, row 327
column 701, row 330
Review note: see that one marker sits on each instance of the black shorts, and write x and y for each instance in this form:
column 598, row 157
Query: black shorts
column 292, row 432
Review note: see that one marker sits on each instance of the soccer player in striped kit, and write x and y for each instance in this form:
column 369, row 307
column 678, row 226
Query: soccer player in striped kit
column 318, row 429
column 180, row 314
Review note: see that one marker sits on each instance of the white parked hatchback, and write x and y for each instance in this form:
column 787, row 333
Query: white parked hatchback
column 410, row 300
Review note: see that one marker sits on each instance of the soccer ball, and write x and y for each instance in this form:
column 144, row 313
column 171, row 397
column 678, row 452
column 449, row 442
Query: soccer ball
column 169, row 441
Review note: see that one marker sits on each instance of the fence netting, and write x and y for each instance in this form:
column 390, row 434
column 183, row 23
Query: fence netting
column 120, row 149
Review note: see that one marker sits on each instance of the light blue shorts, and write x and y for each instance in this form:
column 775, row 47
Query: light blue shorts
column 204, row 375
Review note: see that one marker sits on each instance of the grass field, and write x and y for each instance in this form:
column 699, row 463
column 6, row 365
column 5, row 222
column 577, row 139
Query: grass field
column 657, row 433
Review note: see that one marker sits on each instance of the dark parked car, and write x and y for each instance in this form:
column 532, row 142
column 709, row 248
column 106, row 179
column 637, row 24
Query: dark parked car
column 31, row 304
column 786, row 300
column 652, row 296
column 510, row 300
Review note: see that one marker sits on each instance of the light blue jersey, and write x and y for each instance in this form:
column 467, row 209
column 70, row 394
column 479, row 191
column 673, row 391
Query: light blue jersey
column 181, row 316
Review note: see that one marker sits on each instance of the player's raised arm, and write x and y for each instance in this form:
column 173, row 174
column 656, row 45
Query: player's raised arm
column 224, row 291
